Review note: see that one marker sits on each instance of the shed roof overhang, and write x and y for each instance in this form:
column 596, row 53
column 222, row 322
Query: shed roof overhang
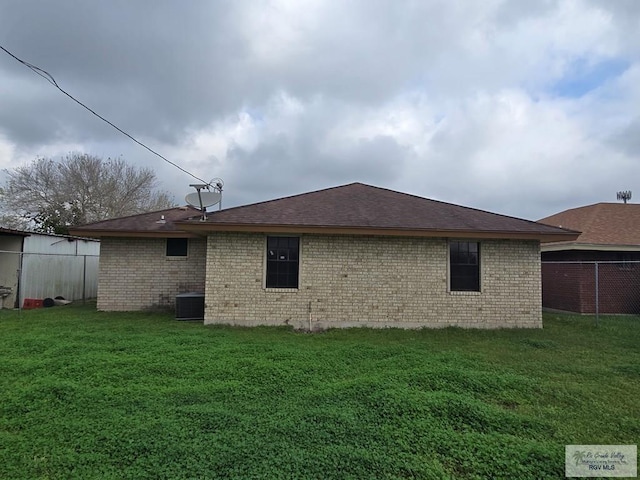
column 12, row 232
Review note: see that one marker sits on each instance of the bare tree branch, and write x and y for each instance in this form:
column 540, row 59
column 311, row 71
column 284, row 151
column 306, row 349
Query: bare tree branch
column 80, row 188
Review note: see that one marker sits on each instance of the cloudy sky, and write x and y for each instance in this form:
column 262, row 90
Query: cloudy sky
column 518, row 107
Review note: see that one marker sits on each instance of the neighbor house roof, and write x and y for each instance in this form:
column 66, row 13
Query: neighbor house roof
column 355, row 209
column 604, row 226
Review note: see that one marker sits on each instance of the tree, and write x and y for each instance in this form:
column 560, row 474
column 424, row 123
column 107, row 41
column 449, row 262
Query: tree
column 55, row 195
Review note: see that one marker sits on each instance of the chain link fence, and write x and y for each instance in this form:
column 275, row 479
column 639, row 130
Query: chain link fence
column 46, row 275
column 592, row 287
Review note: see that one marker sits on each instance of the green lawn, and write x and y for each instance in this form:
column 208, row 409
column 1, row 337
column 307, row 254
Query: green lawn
column 86, row 394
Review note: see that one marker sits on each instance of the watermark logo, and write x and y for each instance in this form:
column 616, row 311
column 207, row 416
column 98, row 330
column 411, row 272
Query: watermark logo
column 601, row 461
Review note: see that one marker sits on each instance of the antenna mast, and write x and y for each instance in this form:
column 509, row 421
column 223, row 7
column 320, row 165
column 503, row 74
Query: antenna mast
column 625, row 196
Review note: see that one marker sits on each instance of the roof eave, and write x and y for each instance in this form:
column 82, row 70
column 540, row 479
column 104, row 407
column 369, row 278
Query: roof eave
column 558, row 247
column 134, row 233
column 204, row 228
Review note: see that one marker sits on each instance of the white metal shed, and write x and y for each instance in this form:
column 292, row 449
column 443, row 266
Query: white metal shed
column 48, row 266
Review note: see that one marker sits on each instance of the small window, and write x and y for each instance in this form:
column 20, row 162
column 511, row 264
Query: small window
column 177, row 247
column 464, row 266
column 282, row 262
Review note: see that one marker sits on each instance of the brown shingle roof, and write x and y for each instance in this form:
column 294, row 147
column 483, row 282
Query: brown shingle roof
column 364, row 209
column 349, row 209
column 606, row 224
column 158, row 223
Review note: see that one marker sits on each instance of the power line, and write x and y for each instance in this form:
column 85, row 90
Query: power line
column 49, row 78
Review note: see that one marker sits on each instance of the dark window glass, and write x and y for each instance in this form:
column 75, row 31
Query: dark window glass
column 282, row 262
column 464, row 266
column 177, row 247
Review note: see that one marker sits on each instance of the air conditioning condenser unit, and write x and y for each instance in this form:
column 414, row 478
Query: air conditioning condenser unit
column 190, row 306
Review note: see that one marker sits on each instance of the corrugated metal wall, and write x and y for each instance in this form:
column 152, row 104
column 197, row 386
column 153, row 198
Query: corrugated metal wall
column 59, row 266
column 55, row 266
column 37, row 243
column 73, row 277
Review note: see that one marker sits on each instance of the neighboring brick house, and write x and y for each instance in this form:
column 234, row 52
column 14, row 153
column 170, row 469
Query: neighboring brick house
column 611, row 237
column 353, row 255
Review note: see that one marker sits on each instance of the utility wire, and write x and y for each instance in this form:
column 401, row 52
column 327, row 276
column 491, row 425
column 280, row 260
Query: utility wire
column 49, row 78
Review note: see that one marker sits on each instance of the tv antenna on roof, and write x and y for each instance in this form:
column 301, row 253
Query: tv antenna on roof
column 206, row 195
column 624, row 196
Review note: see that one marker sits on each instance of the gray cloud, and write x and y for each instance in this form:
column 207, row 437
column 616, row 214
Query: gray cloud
column 447, row 99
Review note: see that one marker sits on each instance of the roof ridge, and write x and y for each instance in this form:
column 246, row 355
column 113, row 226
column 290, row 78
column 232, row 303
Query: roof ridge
column 396, row 192
column 584, row 207
column 286, row 197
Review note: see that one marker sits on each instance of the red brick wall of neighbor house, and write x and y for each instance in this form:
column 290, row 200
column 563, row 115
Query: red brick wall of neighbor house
column 619, row 287
column 572, row 286
column 561, row 287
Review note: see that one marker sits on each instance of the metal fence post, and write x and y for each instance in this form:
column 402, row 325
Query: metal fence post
column 84, row 279
column 19, row 293
column 597, row 296
column 570, row 285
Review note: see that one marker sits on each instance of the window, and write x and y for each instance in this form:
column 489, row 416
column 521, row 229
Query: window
column 464, row 266
column 177, row 247
column 282, row 262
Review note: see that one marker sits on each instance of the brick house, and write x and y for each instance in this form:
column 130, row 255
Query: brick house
column 610, row 237
column 353, row 255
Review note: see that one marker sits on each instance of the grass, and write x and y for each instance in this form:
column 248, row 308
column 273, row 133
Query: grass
column 86, row 394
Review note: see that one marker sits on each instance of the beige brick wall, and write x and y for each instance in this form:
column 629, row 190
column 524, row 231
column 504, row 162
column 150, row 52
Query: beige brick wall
column 372, row 281
column 135, row 273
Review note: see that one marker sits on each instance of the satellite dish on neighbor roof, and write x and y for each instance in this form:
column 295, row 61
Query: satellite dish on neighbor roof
column 203, row 199
column 206, row 195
